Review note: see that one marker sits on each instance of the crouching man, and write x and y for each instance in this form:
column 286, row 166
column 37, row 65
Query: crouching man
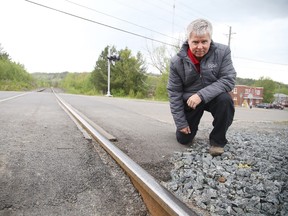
column 201, row 77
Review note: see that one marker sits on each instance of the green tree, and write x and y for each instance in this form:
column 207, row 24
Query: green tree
column 127, row 75
column 161, row 88
column 13, row 76
column 269, row 88
column 245, row 81
column 4, row 55
column 49, row 79
column 281, row 88
column 77, row 83
column 160, row 58
column 99, row 74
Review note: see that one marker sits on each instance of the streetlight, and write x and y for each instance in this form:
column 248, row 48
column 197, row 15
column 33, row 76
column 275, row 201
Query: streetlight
column 110, row 58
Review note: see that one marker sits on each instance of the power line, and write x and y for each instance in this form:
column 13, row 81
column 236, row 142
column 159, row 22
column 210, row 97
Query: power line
column 99, row 23
column 123, row 20
column 132, row 33
column 261, row 61
column 145, row 12
column 172, row 9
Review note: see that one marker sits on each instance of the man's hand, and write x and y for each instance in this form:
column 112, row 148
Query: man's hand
column 185, row 130
column 193, row 101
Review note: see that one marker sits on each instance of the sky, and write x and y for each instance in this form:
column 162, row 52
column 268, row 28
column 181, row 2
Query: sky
column 44, row 40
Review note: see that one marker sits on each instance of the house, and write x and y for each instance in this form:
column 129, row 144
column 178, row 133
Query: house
column 281, row 99
column 243, row 95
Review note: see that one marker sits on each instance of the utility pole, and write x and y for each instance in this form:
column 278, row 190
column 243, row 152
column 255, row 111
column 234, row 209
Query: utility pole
column 173, row 19
column 110, row 58
column 229, row 35
column 108, row 91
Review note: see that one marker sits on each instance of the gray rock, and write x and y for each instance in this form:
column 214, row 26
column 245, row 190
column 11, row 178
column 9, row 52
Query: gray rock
column 254, row 170
column 268, row 208
column 284, row 209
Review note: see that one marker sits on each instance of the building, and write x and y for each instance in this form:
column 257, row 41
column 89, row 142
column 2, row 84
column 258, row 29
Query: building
column 246, row 95
column 281, row 99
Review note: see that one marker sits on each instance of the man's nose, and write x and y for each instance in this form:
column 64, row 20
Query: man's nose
column 199, row 45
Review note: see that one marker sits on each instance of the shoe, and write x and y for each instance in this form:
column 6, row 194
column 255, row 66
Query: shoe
column 216, row 151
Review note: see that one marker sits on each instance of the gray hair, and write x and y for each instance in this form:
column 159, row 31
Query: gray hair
column 199, row 27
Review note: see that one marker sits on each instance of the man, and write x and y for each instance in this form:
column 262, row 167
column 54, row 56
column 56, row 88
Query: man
column 201, row 75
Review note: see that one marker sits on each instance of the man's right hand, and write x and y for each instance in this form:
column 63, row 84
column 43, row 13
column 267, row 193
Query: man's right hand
column 194, row 101
column 186, row 130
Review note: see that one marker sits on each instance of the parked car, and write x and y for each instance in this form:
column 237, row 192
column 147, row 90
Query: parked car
column 285, row 104
column 278, row 106
column 264, row 105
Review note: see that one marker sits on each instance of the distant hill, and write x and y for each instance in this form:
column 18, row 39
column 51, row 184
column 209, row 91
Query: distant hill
column 245, row 81
column 49, row 79
column 49, row 76
column 251, row 82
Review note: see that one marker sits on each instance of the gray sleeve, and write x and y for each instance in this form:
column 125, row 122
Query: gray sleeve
column 175, row 93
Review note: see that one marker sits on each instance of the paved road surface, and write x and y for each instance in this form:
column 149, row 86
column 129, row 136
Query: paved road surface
column 145, row 129
column 48, row 168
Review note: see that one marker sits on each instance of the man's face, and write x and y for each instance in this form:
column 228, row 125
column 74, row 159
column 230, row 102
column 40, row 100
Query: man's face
column 199, row 45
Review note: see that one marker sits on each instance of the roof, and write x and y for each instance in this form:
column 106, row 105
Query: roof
column 280, row 95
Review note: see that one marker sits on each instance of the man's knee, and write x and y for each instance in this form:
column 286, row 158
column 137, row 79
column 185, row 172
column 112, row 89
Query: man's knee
column 225, row 98
column 224, row 103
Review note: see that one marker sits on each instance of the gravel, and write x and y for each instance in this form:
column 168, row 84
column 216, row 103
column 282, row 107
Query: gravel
column 250, row 178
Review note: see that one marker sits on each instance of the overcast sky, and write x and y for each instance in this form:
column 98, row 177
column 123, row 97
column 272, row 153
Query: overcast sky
column 48, row 41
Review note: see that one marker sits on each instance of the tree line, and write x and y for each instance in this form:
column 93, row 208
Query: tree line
column 130, row 76
column 13, row 76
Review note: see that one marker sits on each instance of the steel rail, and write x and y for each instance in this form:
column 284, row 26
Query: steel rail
column 159, row 201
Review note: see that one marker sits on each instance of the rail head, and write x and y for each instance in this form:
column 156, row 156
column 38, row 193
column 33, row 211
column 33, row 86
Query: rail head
column 158, row 199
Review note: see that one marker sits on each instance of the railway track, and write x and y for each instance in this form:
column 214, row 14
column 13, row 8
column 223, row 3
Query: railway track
column 159, row 201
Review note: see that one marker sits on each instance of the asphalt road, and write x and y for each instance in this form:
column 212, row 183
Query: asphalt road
column 47, row 167
column 145, row 129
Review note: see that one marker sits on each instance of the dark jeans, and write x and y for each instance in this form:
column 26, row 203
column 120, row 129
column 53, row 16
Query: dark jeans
column 222, row 110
